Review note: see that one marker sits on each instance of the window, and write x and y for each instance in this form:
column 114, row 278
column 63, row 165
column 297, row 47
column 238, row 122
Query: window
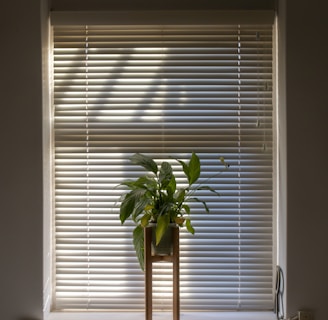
column 163, row 90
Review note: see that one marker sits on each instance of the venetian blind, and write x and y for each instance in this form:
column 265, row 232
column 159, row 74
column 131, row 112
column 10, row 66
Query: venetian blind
column 163, row 91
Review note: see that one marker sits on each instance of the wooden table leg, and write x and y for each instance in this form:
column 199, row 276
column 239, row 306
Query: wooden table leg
column 148, row 275
column 149, row 259
column 176, row 287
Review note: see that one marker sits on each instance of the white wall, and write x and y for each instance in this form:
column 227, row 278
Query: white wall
column 20, row 161
column 307, row 148
column 305, row 83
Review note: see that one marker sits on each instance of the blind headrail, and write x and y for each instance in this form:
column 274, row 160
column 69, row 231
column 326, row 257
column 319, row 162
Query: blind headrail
column 156, row 17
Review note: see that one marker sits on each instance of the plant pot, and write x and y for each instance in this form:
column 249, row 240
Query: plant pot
column 165, row 246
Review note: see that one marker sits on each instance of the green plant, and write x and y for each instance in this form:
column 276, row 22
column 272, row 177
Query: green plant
column 155, row 197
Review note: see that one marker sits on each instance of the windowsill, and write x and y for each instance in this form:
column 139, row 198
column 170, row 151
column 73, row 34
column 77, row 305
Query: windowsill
column 162, row 316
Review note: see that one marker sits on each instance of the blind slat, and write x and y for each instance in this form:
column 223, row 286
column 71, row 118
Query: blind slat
column 165, row 91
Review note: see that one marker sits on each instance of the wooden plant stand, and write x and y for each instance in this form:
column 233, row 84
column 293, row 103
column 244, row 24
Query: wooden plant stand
column 149, row 259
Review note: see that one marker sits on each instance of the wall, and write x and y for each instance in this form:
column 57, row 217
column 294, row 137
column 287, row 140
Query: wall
column 20, row 161
column 304, row 260
column 307, row 173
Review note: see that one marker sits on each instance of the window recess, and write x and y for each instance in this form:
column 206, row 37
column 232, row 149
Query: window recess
column 163, row 90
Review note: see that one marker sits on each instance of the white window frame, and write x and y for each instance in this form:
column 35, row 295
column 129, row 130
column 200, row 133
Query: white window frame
column 98, row 315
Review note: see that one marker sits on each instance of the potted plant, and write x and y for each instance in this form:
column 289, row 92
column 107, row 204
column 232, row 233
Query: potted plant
column 154, row 197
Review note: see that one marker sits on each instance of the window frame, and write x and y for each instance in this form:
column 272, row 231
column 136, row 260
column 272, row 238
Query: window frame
column 243, row 315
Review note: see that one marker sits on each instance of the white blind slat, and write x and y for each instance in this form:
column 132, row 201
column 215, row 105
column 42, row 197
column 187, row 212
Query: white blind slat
column 164, row 91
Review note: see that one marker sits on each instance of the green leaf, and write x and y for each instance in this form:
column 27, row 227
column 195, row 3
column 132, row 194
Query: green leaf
column 162, row 224
column 209, row 189
column 186, row 208
column 189, row 227
column 165, row 174
column 185, row 168
column 138, row 242
column 143, row 182
column 203, row 202
column 180, row 195
column 145, row 219
column 133, row 204
column 145, row 161
column 140, row 205
column 127, row 207
column 171, row 187
column 165, row 207
column 194, row 168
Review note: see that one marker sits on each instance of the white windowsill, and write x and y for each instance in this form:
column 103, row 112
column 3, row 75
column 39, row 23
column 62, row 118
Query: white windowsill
column 161, row 316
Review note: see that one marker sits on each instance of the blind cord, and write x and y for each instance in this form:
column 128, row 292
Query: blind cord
column 279, row 304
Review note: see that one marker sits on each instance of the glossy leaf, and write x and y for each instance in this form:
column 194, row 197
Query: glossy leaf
column 194, row 168
column 145, row 220
column 189, row 227
column 145, row 161
column 162, row 224
column 186, row 208
column 185, row 168
column 138, row 242
column 131, row 204
column 127, row 207
column 165, row 174
column 209, row 189
column 171, row 187
column 180, row 195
